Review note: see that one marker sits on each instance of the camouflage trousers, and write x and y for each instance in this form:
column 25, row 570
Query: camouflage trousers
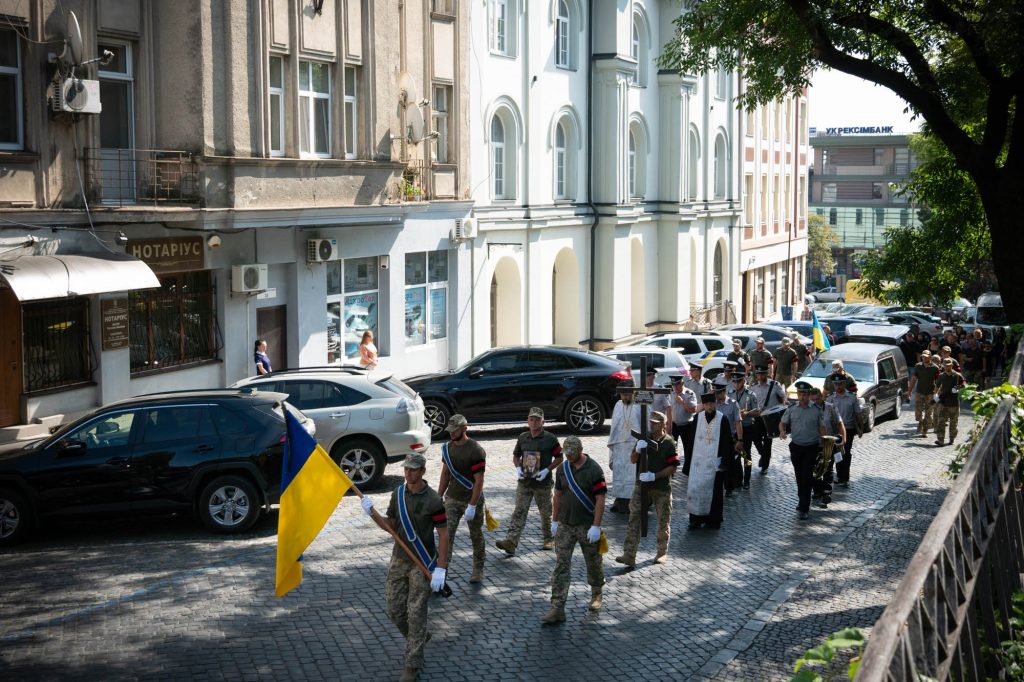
column 924, row 412
column 661, row 500
column 565, row 543
column 786, row 380
column 456, row 510
column 524, row 496
column 943, row 415
column 407, row 594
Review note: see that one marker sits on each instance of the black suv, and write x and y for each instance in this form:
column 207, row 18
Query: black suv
column 214, row 453
column 502, row 384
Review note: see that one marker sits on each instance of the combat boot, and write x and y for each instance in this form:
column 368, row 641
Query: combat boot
column 506, row 546
column 626, row 560
column 409, row 674
column 595, row 598
column 554, row 616
column 661, row 557
column 549, row 543
column 477, row 575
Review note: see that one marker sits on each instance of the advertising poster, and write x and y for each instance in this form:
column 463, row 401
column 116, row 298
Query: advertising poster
column 360, row 315
column 415, row 315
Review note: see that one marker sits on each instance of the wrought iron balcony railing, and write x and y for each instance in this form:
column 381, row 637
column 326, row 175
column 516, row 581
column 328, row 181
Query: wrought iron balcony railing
column 126, row 177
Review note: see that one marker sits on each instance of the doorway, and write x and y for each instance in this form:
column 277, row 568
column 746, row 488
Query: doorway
column 10, row 359
column 270, row 325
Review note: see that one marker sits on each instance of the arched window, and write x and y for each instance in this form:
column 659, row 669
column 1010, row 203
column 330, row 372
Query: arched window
column 692, row 165
column 637, row 145
column 498, row 157
column 639, row 48
column 562, row 52
column 721, row 167
column 632, row 165
column 561, row 159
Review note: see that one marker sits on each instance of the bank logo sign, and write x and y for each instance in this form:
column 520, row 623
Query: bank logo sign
column 861, row 130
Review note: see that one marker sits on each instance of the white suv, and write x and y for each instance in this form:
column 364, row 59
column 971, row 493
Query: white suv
column 691, row 345
column 365, row 420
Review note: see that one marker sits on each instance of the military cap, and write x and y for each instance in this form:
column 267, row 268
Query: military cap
column 926, row 353
column 785, row 340
column 676, row 378
column 415, row 460
column 697, row 367
column 657, row 418
column 572, row 445
column 720, row 382
column 737, row 342
column 837, row 363
column 535, row 412
column 760, row 369
column 803, row 387
column 947, row 361
column 759, row 339
column 626, row 383
column 455, row 421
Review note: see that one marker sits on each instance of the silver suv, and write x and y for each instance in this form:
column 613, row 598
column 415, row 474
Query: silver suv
column 365, row 420
column 691, row 345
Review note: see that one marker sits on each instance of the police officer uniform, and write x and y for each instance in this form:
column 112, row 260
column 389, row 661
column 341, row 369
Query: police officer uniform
column 804, row 422
column 848, row 406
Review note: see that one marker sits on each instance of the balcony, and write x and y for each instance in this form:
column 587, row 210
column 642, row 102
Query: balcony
column 130, row 177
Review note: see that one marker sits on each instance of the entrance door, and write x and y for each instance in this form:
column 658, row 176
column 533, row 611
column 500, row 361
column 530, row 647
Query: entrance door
column 10, row 359
column 270, row 325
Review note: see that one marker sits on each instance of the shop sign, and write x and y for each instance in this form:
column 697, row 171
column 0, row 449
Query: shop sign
column 169, row 254
column 114, row 314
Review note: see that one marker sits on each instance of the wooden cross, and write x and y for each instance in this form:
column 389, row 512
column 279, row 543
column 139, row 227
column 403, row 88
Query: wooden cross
column 643, row 396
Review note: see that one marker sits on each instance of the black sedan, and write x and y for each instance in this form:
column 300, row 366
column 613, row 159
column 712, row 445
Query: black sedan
column 502, row 384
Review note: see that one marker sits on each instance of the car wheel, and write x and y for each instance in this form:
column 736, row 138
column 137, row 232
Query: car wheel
column 897, row 409
column 583, row 414
column 362, row 460
column 229, row 504
column 841, row 299
column 871, row 418
column 436, row 415
column 15, row 517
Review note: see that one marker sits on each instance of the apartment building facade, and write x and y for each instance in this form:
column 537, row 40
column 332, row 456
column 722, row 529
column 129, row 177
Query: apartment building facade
column 287, row 170
column 606, row 192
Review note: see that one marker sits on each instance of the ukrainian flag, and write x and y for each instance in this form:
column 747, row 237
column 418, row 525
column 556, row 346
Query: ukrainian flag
column 312, row 485
column 820, row 340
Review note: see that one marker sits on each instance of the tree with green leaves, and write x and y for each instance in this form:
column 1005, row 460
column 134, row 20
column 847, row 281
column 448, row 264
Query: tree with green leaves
column 959, row 64
column 950, row 250
column 821, row 238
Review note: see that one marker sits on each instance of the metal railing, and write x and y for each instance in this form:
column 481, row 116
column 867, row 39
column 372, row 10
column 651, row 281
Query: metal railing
column 125, row 177
column 714, row 314
column 959, row 584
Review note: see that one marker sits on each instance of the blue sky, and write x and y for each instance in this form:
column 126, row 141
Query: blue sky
column 839, row 100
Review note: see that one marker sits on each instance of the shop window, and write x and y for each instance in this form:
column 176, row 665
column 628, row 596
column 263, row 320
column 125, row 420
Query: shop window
column 11, row 132
column 352, row 303
column 56, row 343
column 173, row 325
column 426, row 297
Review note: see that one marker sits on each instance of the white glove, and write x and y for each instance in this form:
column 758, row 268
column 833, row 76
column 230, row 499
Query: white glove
column 367, row 505
column 542, row 474
column 594, row 534
column 519, row 471
column 641, row 445
column 554, row 527
column 437, row 580
column 647, row 477
column 470, row 512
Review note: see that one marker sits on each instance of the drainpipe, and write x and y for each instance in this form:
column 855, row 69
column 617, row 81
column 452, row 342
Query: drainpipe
column 590, row 165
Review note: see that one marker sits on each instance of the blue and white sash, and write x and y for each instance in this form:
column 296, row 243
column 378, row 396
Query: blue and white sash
column 463, row 481
column 576, row 489
column 410, row 532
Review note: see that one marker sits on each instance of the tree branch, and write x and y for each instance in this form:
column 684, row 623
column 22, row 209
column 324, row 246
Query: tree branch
column 958, row 24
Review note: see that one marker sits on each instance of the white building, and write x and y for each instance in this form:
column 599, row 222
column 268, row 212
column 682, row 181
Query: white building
column 606, row 193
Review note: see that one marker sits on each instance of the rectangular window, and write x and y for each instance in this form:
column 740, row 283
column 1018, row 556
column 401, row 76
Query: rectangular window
column 56, row 343
column 499, row 26
column 426, row 297
column 764, row 122
column 880, row 217
column 879, row 156
column 828, row 192
column 172, row 325
column 11, row 124
column 722, row 83
column 750, row 123
column 801, row 195
column 876, row 190
column 748, row 199
column 562, row 41
column 499, row 170
column 276, row 91
column 859, row 220
column 351, row 112
column 441, row 100
column 314, row 109
column 352, row 303
column 444, row 6
column 117, row 124
column 833, row 216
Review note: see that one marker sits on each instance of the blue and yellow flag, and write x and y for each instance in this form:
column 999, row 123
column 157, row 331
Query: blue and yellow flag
column 820, row 340
column 312, row 485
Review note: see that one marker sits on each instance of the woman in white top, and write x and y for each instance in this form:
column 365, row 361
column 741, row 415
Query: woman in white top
column 367, row 351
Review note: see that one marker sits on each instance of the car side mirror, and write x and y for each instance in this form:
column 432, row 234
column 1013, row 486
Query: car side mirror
column 884, row 382
column 476, row 372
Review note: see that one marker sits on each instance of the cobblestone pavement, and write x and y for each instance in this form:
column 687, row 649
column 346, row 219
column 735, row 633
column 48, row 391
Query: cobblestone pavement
column 161, row 599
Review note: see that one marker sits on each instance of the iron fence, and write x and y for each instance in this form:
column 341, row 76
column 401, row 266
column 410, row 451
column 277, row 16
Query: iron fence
column 713, row 314
column 955, row 599
column 55, row 335
column 125, row 177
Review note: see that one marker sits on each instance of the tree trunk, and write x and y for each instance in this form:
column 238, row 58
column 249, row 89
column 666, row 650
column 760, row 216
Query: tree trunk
column 1003, row 199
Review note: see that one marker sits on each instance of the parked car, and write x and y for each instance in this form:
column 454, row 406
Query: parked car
column 927, row 323
column 215, row 454
column 839, row 325
column 850, row 309
column 772, row 333
column 828, row 295
column 500, row 385
column 691, row 345
column 364, row 420
column 872, row 332
column 951, row 311
column 880, row 372
column 665, row 361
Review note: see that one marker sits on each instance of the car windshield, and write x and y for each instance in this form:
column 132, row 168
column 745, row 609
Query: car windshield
column 822, row 367
column 991, row 316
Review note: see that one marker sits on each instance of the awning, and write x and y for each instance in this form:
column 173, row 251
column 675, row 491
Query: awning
column 33, row 278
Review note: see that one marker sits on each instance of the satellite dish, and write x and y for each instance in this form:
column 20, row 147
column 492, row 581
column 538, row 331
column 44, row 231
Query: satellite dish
column 413, row 125
column 407, row 88
column 73, row 40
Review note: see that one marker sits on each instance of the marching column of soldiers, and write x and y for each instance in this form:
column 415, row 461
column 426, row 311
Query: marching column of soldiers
column 720, row 424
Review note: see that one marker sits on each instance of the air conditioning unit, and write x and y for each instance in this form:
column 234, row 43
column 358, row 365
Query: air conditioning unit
column 322, row 250
column 248, row 278
column 77, row 96
column 464, row 230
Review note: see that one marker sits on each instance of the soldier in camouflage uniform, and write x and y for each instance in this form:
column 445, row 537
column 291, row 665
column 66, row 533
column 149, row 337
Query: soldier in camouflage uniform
column 662, row 462
column 923, row 380
column 462, row 488
column 407, row 590
column 541, row 448
column 947, row 386
column 578, row 508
